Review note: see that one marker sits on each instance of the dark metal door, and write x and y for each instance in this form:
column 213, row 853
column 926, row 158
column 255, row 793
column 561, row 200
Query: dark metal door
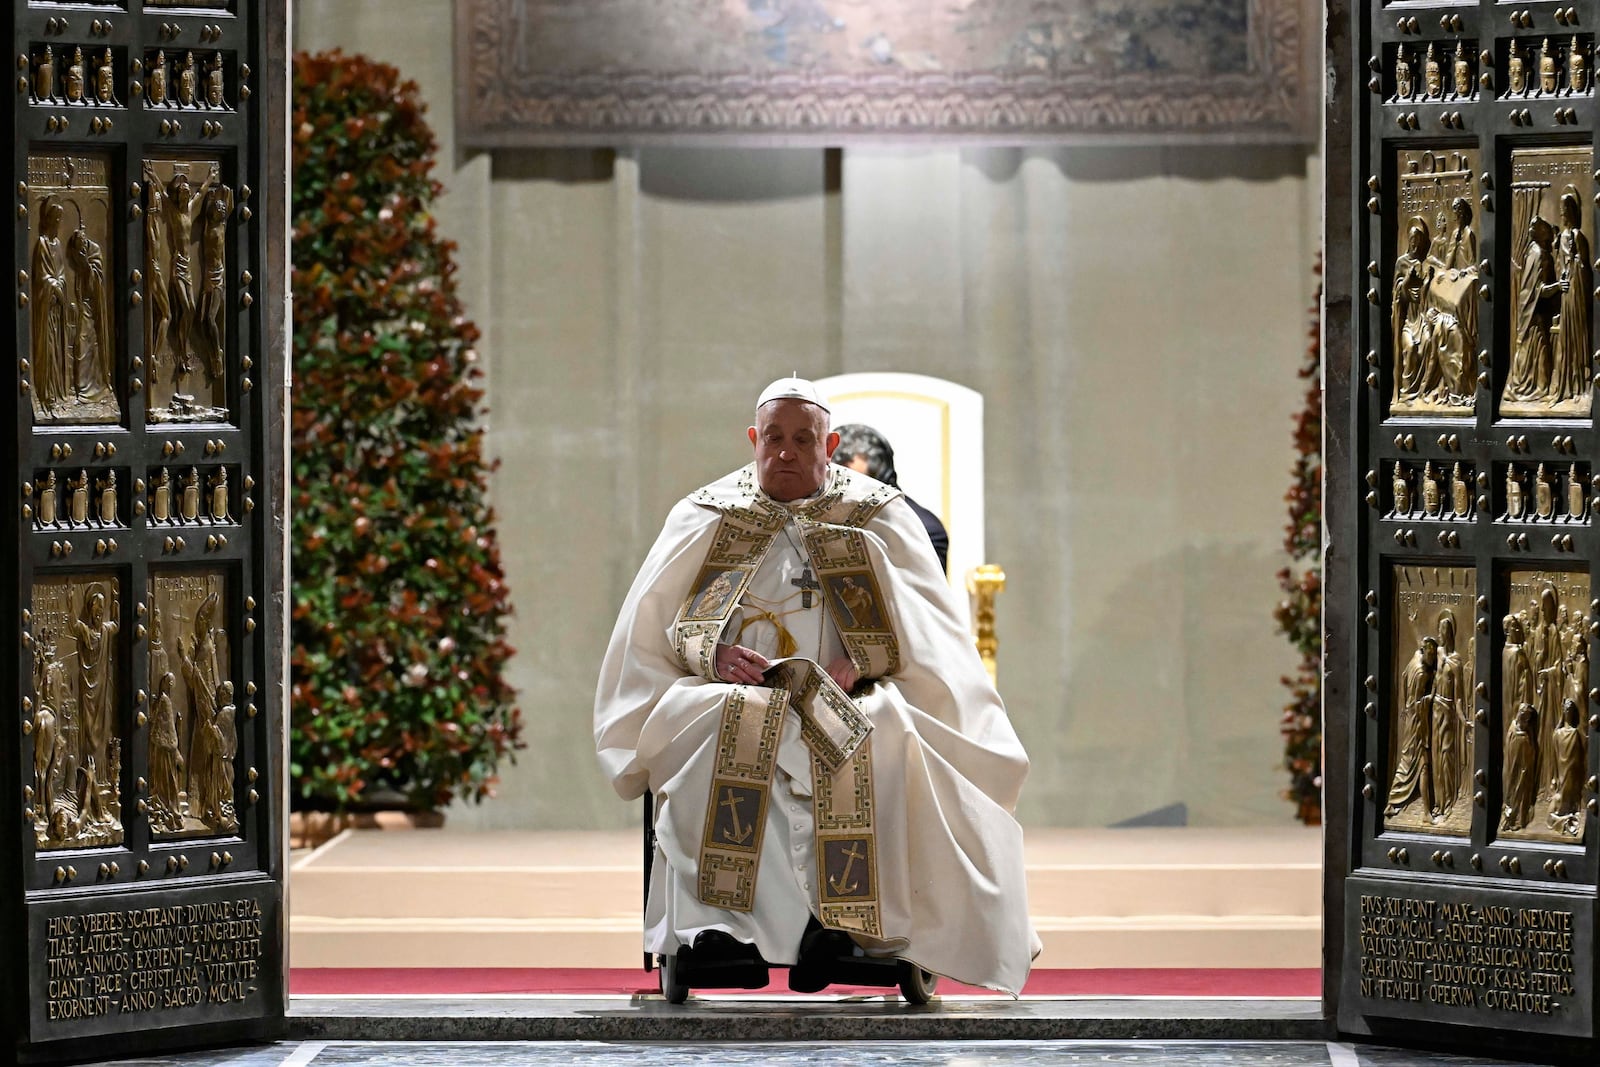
column 1462, row 616
column 141, row 775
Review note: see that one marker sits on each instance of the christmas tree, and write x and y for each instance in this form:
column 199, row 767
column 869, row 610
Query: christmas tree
column 398, row 630
column 1299, row 614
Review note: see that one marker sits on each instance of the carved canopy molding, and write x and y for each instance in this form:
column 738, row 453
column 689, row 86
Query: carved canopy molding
column 617, row 72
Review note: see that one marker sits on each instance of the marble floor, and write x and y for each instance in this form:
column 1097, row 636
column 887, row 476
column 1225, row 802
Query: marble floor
column 794, row 1054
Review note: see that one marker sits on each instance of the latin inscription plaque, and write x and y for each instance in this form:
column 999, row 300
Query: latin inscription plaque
column 1474, row 957
column 206, row 956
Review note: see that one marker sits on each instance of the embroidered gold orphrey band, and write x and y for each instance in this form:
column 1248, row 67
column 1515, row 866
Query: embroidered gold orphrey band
column 854, row 597
column 752, row 717
column 741, row 785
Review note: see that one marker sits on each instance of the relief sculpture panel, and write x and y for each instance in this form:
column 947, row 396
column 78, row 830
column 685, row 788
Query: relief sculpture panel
column 72, row 349
column 1430, row 718
column 74, row 78
column 75, row 499
column 1546, row 492
column 193, row 734
column 189, row 495
column 1552, row 279
column 1544, row 680
column 75, row 796
column 187, row 208
column 1428, row 492
column 181, row 80
column 1433, row 310
column 1548, row 67
column 1446, row 73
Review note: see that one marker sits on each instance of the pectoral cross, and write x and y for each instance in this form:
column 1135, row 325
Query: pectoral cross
column 806, row 584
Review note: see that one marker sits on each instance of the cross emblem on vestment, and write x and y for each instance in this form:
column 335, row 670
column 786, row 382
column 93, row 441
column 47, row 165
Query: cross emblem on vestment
column 806, row 584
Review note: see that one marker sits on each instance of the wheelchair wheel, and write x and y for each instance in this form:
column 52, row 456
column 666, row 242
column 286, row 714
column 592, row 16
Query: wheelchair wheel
column 916, row 984
column 674, row 988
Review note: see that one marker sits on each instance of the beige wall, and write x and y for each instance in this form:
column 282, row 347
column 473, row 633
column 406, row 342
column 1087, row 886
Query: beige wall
column 1133, row 317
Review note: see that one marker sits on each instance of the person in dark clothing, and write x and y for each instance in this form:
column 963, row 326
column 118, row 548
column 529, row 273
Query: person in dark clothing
column 863, row 449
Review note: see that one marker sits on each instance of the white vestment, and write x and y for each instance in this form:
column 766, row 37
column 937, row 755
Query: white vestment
column 946, row 765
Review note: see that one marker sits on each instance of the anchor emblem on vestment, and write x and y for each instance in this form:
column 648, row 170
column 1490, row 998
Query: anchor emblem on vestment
column 739, row 834
column 838, row 885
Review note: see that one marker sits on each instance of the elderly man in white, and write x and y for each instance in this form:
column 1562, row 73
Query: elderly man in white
column 831, row 765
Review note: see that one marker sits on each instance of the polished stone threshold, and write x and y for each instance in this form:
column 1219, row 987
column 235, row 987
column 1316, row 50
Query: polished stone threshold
column 815, row 1053
column 809, row 1018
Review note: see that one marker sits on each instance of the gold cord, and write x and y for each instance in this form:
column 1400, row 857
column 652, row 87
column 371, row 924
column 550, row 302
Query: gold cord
column 786, row 642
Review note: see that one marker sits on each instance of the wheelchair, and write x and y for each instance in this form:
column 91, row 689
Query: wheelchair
column 722, row 963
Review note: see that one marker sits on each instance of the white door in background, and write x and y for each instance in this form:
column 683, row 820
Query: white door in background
column 936, row 430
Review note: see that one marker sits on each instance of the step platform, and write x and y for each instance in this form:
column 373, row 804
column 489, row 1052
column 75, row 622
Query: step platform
column 1101, row 898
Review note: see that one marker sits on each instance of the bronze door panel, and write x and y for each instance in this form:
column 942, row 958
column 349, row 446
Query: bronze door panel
column 1461, row 714
column 144, row 465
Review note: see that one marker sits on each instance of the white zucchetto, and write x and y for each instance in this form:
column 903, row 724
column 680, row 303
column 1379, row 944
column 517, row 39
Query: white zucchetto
column 792, row 389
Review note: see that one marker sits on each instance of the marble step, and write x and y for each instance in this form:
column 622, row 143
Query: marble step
column 374, row 874
column 1145, row 941
column 1100, row 898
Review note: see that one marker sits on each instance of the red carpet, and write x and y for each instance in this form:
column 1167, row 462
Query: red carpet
column 1135, row 982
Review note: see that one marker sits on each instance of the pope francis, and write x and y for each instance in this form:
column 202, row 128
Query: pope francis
column 789, row 676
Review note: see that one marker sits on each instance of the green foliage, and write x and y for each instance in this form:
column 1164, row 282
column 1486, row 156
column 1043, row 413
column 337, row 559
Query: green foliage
column 1299, row 614
column 399, row 597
